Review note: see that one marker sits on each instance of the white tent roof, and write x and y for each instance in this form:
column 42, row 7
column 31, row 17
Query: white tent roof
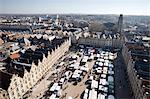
column 110, row 78
column 110, row 72
column 54, row 87
column 96, row 62
column 74, row 56
column 76, row 66
column 101, row 96
column 57, row 88
column 98, row 55
column 94, row 94
column 67, row 73
column 85, row 96
column 86, row 90
column 111, row 65
column 84, row 68
column 78, row 71
column 94, row 84
column 103, row 82
column 99, row 70
column 101, row 63
column 62, row 80
column 103, row 75
column 106, row 57
column 72, row 65
column 84, row 59
column 62, row 63
column 105, row 68
column 102, row 88
column 111, row 57
column 91, row 77
column 105, row 63
column 75, row 75
column 111, row 97
column 101, row 60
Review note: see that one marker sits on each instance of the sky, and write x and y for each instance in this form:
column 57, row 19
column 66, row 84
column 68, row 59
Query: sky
column 127, row 7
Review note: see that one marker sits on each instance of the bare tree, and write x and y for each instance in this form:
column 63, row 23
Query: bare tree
column 96, row 27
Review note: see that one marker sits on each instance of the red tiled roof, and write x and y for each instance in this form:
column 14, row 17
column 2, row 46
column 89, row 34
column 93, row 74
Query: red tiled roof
column 14, row 56
column 1, row 41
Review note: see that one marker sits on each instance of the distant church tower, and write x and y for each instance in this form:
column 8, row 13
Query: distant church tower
column 57, row 22
column 119, row 29
column 120, row 24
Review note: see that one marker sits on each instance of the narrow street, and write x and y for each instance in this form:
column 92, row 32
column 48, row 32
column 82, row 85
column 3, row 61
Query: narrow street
column 121, row 85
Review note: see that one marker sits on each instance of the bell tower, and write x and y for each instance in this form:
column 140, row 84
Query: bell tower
column 119, row 30
column 120, row 24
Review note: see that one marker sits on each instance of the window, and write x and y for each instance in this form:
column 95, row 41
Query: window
column 30, row 83
column 27, row 86
column 12, row 93
column 22, row 90
column 16, row 83
column 18, row 95
column 17, row 89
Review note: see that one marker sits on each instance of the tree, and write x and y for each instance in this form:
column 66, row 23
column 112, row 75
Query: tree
column 96, row 27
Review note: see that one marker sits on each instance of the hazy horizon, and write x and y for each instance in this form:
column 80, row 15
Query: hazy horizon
column 91, row 7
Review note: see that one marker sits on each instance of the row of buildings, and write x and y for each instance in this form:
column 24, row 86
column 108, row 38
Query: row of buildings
column 137, row 68
column 33, row 57
column 136, row 56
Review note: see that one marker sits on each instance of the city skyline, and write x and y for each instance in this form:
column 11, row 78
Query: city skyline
column 126, row 7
